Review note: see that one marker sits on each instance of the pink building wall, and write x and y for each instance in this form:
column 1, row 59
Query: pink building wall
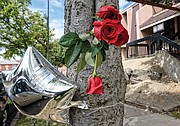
column 134, row 16
column 137, row 14
column 142, row 15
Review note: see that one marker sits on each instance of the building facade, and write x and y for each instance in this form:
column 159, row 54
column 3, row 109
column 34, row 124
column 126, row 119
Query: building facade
column 8, row 64
column 144, row 20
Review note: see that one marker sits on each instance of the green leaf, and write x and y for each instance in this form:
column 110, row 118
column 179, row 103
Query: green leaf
column 96, row 49
column 105, row 45
column 99, row 59
column 69, row 39
column 89, row 60
column 82, row 63
column 72, row 54
column 104, row 3
column 103, row 52
column 95, row 17
column 85, row 46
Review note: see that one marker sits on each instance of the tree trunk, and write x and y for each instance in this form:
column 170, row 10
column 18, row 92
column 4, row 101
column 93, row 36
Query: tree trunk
column 106, row 109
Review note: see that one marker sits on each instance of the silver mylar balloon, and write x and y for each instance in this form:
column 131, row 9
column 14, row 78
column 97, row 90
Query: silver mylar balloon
column 39, row 90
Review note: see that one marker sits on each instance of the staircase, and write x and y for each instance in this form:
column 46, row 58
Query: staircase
column 153, row 80
column 167, row 52
column 151, row 44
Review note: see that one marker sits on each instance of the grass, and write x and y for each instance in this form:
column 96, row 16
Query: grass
column 27, row 121
column 176, row 114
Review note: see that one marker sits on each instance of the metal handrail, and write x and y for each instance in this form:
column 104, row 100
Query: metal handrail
column 170, row 42
column 158, row 42
column 142, row 39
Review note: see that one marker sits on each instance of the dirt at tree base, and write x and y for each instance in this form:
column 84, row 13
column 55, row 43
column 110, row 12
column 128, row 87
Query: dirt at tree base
column 149, row 86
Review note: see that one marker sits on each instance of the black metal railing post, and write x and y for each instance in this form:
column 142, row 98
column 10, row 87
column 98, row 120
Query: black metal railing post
column 127, row 49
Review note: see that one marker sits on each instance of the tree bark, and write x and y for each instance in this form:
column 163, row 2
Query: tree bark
column 106, row 109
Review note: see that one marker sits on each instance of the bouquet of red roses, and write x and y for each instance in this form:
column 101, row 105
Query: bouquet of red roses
column 109, row 28
column 92, row 46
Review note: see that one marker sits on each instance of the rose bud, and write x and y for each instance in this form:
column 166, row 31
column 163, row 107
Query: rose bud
column 94, row 85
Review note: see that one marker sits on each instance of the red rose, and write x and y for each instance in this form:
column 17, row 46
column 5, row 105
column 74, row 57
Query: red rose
column 122, row 39
column 109, row 12
column 95, row 85
column 110, row 31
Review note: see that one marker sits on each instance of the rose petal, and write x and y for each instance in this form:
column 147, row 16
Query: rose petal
column 109, row 12
column 95, row 85
column 124, row 38
column 97, row 29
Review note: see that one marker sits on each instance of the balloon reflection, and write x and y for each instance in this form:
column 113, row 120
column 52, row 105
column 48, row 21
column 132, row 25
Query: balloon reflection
column 39, row 90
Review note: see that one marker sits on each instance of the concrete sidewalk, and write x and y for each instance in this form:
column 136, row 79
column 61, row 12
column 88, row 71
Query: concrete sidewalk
column 138, row 117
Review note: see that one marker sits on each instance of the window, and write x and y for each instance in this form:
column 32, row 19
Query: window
column 158, row 28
